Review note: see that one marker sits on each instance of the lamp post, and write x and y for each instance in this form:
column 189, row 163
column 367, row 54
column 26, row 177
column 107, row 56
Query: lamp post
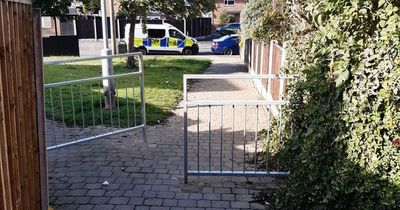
column 184, row 18
column 106, row 64
column 112, row 28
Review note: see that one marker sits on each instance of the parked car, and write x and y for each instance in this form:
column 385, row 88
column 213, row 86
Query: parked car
column 162, row 37
column 226, row 45
column 230, row 28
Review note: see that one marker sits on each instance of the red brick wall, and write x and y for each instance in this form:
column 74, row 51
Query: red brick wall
column 50, row 31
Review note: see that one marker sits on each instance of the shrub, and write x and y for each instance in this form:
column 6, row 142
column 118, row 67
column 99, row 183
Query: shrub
column 225, row 18
column 345, row 106
column 265, row 20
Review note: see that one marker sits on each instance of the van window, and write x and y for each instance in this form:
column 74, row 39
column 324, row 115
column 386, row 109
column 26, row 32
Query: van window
column 176, row 34
column 156, row 33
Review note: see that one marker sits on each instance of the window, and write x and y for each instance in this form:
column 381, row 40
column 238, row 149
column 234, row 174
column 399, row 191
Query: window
column 229, row 2
column 46, row 22
column 156, row 33
column 176, row 34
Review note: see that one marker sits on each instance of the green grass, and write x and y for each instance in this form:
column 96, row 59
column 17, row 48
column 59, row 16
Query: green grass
column 163, row 90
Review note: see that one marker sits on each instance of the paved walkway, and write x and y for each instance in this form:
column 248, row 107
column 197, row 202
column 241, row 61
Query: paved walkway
column 124, row 172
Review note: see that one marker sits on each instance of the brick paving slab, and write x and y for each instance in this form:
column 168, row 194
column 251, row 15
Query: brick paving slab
column 149, row 175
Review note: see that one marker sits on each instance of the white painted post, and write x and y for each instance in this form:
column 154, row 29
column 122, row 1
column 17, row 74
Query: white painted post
column 257, row 58
column 74, row 23
column 107, row 68
column 262, row 64
column 253, row 56
column 283, row 58
column 119, row 30
column 270, row 61
column 95, row 28
column 112, row 28
column 283, row 63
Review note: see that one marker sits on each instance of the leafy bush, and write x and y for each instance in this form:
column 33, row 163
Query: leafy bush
column 345, row 106
column 265, row 20
column 225, row 18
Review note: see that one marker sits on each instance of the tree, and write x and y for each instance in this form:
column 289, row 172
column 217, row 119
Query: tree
column 225, row 18
column 54, row 8
column 91, row 5
column 132, row 9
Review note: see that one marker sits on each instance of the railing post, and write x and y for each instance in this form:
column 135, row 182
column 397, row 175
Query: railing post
column 185, row 133
column 142, row 97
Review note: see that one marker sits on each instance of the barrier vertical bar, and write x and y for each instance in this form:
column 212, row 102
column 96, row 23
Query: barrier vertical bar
column 198, row 138
column 142, row 98
column 185, row 133
column 222, row 136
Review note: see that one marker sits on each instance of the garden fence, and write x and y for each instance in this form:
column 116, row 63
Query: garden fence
column 76, row 110
column 233, row 148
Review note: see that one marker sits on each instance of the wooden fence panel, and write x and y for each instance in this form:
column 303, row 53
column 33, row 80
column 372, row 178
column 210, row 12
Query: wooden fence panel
column 19, row 154
column 259, row 61
column 276, row 67
column 265, row 67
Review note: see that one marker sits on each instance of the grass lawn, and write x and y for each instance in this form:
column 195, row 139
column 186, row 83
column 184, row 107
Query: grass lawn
column 163, row 90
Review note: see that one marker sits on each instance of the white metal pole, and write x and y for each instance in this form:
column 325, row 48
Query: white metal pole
column 184, row 18
column 95, row 28
column 107, row 68
column 184, row 26
column 112, row 28
column 74, row 23
column 118, row 30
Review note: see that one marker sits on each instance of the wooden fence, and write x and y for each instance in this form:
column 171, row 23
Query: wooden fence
column 22, row 173
column 265, row 59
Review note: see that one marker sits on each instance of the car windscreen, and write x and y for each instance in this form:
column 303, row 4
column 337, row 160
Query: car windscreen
column 156, row 33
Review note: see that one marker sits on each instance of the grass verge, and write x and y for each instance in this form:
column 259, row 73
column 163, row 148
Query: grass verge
column 83, row 104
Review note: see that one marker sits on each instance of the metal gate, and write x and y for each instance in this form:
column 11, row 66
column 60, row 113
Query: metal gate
column 76, row 109
column 232, row 148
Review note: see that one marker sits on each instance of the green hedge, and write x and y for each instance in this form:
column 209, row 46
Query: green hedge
column 344, row 149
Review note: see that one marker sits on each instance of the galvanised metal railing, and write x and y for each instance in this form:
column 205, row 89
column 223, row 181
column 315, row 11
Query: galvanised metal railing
column 76, row 109
column 226, row 150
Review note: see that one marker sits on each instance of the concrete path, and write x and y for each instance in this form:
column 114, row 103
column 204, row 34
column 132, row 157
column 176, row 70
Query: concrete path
column 124, row 172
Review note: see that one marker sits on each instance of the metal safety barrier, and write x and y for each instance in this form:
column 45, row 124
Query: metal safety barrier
column 84, row 109
column 216, row 144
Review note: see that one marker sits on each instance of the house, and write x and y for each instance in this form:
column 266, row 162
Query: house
column 233, row 7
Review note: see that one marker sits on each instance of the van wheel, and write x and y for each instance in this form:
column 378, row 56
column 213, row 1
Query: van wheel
column 187, row 51
column 143, row 50
column 228, row 51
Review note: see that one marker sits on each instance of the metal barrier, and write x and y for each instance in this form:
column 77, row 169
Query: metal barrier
column 225, row 151
column 76, row 110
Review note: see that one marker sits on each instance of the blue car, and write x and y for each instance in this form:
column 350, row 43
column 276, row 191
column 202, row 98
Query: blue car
column 226, row 45
column 230, row 28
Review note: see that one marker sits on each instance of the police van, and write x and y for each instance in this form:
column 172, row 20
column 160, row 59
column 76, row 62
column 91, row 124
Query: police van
column 162, row 37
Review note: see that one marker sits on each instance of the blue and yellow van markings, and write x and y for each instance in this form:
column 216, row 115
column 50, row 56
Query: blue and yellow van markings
column 173, row 42
column 164, row 42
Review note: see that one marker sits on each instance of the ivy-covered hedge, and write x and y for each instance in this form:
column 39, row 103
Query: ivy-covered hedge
column 344, row 151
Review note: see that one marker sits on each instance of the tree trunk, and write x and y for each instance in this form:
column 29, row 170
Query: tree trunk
column 131, row 41
column 55, row 25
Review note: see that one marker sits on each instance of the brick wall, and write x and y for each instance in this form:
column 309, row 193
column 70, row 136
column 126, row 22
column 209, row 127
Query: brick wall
column 234, row 9
column 48, row 27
